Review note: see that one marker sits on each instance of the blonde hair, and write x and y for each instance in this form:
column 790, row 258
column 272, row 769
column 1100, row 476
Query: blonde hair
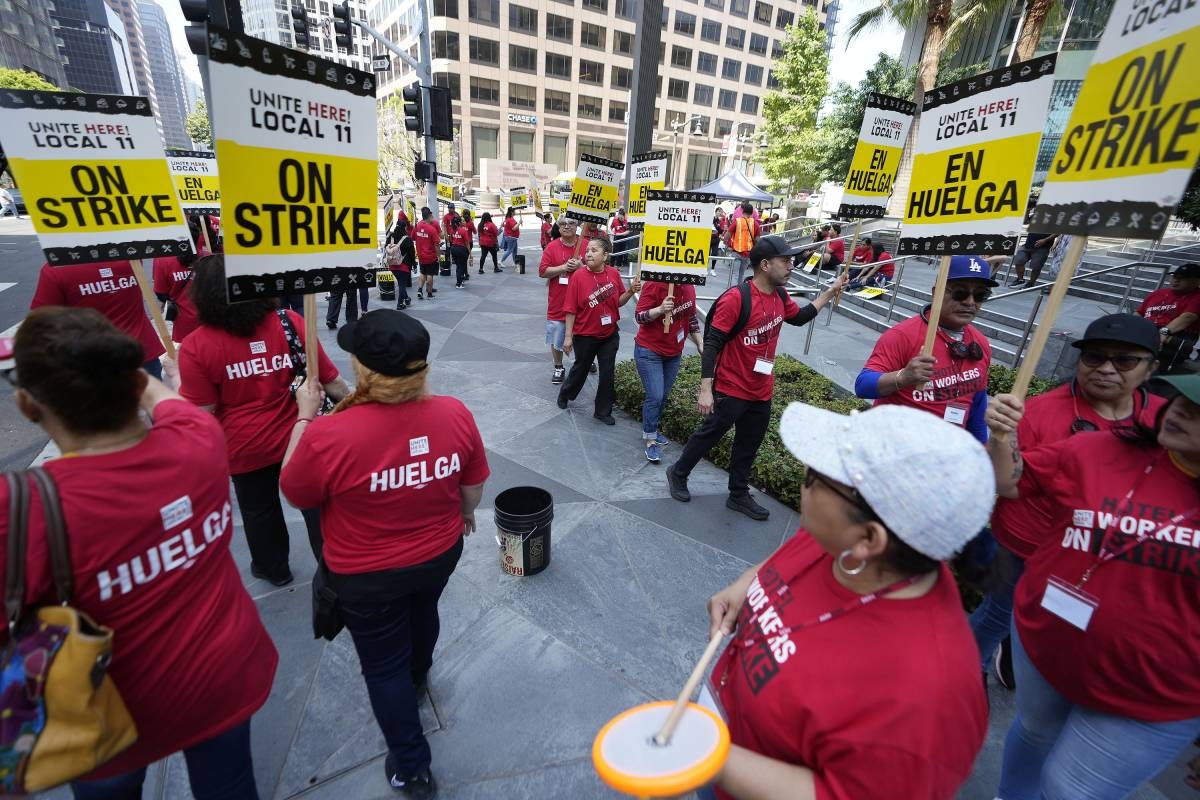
column 375, row 387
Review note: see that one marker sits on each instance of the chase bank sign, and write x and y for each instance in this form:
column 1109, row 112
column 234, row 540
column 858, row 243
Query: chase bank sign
column 528, row 119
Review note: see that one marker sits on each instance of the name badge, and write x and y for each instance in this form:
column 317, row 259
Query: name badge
column 763, row 366
column 1069, row 604
column 956, row 413
column 606, row 319
column 679, row 336
column 564, row 279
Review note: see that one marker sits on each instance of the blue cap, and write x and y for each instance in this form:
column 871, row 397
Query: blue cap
column 972, row 268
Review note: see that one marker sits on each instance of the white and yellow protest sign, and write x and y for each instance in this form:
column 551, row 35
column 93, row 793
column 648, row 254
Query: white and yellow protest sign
column 196, row 182
column 595, row 188
column 876, row 156
column 676, row 236
column 1134, row 135
column 647, row 171
column 94, row 176
column 517, row 198
column 537, row 199
column 445, row 187
column 296, row 145
column 410, row 206
column 974, row 160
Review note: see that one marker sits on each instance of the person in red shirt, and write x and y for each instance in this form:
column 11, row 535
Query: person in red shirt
column 109, row 287
column 460, row 251
column 1117, row 357
column 1106, row 610
column 862, row 252
column 952, row 383
column 851, row 671
column 388, row 568
column 720, row 224
column 618, row 229
column 875, row 273
column 489, row 242
column 472, row 230
column 737, row 372
column 428, row 240
column 1175, row 309
column 512, row 236
column 592, row 308
column 835, row 250
column 547, row 229
column 560, row 259
column 149, row 523
column 172, row 277
column 448, row 219
column 658, row 350
column 401, row 256
column 240, row 366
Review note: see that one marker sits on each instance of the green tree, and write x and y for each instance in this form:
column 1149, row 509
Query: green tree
column 197, row 126
column 396, row 144
column 23, row 79
column 1189, row 207
column 790, row 111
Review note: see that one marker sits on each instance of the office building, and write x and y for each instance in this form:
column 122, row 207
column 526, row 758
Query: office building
column 539, row 82
column 28, row 42
column 135, row 40
column 165, row 72
column 272, row 20
column 92, row 47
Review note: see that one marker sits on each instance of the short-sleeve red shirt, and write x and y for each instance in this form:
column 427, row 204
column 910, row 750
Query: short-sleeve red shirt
column 109, row 287
column 735, row 374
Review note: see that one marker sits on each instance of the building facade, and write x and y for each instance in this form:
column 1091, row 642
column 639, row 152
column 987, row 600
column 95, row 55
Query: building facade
column 166, row 74
column 271, row 20
column 127, row 10
column 543, row 81
column 28, row 40
column 92, row 47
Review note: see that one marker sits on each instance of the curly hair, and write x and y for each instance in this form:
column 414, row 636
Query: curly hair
column 208, row 294
column 375, row 387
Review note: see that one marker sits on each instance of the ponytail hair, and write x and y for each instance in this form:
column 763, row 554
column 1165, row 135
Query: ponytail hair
column 375, row 387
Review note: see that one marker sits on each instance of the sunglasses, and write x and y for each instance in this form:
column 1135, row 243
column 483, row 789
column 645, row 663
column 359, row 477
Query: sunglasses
column 968, row 352
column 1123, row 362
column 960, row 295
column 1081, row 425
column 851, row 496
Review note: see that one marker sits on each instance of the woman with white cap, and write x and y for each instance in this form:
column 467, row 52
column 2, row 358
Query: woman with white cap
column 852, row 672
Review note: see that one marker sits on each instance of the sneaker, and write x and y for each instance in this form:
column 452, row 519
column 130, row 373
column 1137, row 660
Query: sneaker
column 1002, row 665
column 283, row 579
column 661, row 440
column 1016, row 284
column 592, row 369
column 481, row 270
column 745, row 504
column 653, row 454
column 498, row 269
column 458, row 286
column 678, row 485
column 418, row 787
column 331, row 325
column 420, row 296
column 559, row 374
column 607, row 419
column 562, row 401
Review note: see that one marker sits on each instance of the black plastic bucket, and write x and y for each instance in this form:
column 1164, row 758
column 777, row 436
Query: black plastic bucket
column 523, row 516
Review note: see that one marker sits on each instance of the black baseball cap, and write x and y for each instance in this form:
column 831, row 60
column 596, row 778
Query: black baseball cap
column 770, row 247
column 387, row 341
column 1123, row 329
column 1187, row 271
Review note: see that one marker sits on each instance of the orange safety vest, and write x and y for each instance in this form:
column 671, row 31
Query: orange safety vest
column 742, row 239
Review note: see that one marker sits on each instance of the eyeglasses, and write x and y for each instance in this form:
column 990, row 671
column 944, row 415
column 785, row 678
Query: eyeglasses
column 811, row 476
column 1123, row 362
column 1081, row 425
column 960, row 295
column 962, row 350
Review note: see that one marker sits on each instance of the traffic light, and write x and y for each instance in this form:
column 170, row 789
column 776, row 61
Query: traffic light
column 300, row 26
column 341, row 25
column 225, row 13
column 441, row 118
column 414, row 112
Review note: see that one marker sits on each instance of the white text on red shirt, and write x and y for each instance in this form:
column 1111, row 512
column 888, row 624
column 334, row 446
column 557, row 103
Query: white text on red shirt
column 415, row 474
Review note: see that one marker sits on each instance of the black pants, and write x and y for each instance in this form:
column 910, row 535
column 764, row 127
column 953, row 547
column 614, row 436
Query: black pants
column 486, row 252
column 604, row 351
column 262, row 517
column 354, row 298
column 460, row 256
column 750, row 418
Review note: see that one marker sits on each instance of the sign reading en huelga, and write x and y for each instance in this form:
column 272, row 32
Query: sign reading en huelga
column 973, row 165
column 296, row 146
column 195, row 176
column 676, row 236
column 1134, row 134
column 445, row 187
column 647, row 171
column 876, row 156
column 518, row 198
column 594, row 191
column 94, row 176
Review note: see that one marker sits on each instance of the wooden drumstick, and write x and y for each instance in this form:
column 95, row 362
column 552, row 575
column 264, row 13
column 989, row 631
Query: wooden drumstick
column 669, row 317
column 935, row 310
column 663, row 737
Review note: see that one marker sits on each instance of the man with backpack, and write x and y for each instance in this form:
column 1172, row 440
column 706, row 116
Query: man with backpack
column 741, row 333
column 741, row 237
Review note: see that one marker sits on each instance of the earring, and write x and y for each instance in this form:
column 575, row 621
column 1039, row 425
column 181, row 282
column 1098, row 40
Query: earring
column 851, row 572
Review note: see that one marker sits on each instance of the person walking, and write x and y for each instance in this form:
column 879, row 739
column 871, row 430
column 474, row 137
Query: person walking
column 7, row 204
column 149, row 521
column 1033, row 253
column 240, row 365
column 592, row 308
column 401, row 256
column 1175, row 309
column 548, row 229
column 172, row 277
column 737, row 372
column 389, row 569
column 658, row 351
column 460, row 251
column 469, row 223
column 427, row 239
column 562, row 257
column 489, row 241
column 743, row 232
column 512, row 236
column 353, row 298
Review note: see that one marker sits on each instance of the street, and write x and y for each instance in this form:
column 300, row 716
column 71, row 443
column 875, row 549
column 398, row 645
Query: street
column 21, row 257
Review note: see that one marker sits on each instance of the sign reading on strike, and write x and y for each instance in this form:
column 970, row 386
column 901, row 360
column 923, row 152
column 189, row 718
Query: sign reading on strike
column 296, row 145
column 1134, row 134
column 94, row 176
column 973, row 167
column 876, row 156
column 594, row 191
column 195, row 176
column 647, row 171
column 676, row 236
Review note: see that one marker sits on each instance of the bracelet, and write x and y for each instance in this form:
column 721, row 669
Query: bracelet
column 304, row 419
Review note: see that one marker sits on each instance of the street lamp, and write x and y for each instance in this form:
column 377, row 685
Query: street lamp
column 676, row 125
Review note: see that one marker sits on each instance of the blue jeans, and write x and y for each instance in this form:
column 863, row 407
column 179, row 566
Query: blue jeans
column 154, row 367
column 509, row 250
column 1058, row 750
column 219, row 768
column 658, row 376
column 992, row 620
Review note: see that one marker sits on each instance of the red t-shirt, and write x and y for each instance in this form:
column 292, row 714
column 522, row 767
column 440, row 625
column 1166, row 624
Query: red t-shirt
column 426, row 238
column 489, row 234
column 149, row 531
column 248, row 380
column 173, row 279
column 360, row 479
column 449, row 215
column 882, row 702
column 461, row 237
column 888, row 269
column 668, row 344
column 547, row 229
column 618, row 226
column 955, row 380
column 512, row 228
column 556, row 254
column 837, row 248
column 735, row 375
column 1164, row 305
column 1021, row 524
column 862, row 254
column 110, row 288
column 1139, row 654
column 594, row 300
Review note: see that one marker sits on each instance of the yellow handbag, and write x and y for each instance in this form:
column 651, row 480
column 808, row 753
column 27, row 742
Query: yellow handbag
column 61, row 716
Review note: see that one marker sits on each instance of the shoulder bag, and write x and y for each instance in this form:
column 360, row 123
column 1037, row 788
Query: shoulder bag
column 299, row 358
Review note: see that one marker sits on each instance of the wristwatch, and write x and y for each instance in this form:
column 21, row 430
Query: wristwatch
column 1164, row 330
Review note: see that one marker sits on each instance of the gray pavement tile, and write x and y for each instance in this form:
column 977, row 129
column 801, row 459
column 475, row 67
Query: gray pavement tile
column 503, row 414
column 514, row 331
column 707, row 520
column 460, row 343
column 507, row 474
column 575, row 779
column 498, row 355
column 438, row 316
column 456, row 378
column 649, row 482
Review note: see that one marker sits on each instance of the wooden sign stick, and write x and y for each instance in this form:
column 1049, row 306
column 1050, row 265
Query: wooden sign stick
column 670, row 317
column 837, row 298
column 152, row 303
column 310, row 336
column 935, row 311
column 1057, row 294
column 663, row 737
column 204, row 234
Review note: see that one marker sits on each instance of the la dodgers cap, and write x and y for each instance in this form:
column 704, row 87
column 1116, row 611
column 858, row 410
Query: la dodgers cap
column 387, row 341
column 973, row 268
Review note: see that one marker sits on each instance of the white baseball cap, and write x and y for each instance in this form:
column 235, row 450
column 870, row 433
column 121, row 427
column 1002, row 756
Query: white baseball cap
column 930, row 482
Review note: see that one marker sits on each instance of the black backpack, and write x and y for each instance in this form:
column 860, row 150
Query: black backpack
column 744, row 313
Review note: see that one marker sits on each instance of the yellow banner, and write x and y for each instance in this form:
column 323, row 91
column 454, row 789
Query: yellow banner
column 411, row 205
column 301, row 208
column 445, row 191
column 677, row 248
column 594, row 199
column 967, row 184
column 109, row 195
column 198, row 190
column 873, row 169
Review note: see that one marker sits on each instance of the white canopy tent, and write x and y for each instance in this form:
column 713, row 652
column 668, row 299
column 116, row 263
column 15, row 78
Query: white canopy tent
column 734, row 185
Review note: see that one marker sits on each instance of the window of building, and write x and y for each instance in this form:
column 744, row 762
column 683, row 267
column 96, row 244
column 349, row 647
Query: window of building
column 703, row 94
column 763, row 13
column 522, row 96
column 731, row 69
column 758, row 44
column 685, row 23
column 484, row 11
column 772, row 81
column 701, row 124
column 739, row 8
column 560, row 28
column 677, row 89
column 449, row 81
column 749, row 104
column 610, row 150
column 724, row 127
column 623, row 42
column 591, row 72
column 707, row 64
column 666, row 13
column 754, row 75
column 681, row 57
column 717, row 4
column 485, row 91
column 593, row 35
column 589, row 107
column 484, row 51
column 776, row 49
column 735, row 37
column 557, row 102
column 784, row 18
column 554, row 150
column 442, row 8
column 485, row 143
column 445, row 45
column 520, row 145
column 625, row 9
column 522, row 59
column 566, row 2
column 710, row 31
column 558, row 66
column 622, row 78
column 596, row 5
column 523, row 20
column 727, row 99
column 617, row 111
